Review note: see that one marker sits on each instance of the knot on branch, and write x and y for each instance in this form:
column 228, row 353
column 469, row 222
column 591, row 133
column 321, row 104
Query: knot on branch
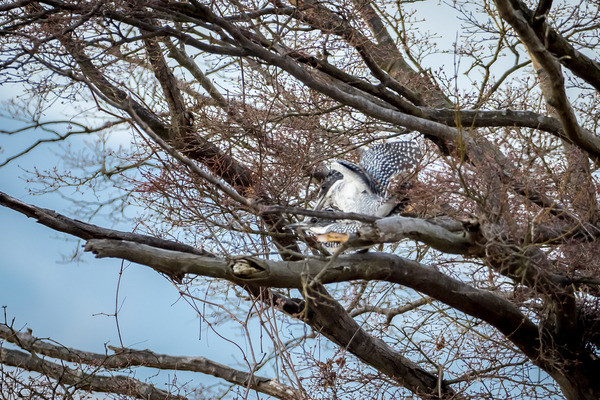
column 247, row 268
column 369, row 232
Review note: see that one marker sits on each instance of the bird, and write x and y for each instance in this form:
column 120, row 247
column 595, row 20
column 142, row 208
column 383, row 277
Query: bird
column 362, row 188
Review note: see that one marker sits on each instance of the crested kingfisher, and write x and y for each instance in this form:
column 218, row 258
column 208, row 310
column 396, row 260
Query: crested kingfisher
column 360, row 188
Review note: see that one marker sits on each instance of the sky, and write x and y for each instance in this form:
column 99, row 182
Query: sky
column 74, row 303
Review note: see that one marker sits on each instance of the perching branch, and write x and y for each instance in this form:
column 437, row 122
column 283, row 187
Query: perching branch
column 394, row 229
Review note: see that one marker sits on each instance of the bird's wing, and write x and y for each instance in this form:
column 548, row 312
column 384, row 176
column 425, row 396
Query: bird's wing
column 344, row 226
column 385, row 160
column 344, row 181
column 353, row 174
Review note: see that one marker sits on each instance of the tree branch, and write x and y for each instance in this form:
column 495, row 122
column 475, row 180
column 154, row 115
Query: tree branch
column 117, row 384
column 506, row 117
column 390, row 313
column 394, row 229
column 328, row 317
column 86, row 231
column 558, row 96
column 127, row 358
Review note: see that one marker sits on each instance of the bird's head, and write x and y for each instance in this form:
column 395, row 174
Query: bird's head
column 327, row 186
column 312, row 224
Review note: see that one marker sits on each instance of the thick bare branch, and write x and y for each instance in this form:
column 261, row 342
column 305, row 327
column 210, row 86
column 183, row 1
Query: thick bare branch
column 394, row 229
column 181, row 119
column 371, row 266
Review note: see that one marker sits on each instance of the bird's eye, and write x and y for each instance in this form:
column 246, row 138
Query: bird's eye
column 313, row 220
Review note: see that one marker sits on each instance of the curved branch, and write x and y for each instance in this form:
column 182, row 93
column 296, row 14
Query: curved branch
column 506, row 117
column 117, row 384
column 127, row 358
column 487, row 306
column 394, row 229
column 328, row 317
column 86, row 231
column 58, row 137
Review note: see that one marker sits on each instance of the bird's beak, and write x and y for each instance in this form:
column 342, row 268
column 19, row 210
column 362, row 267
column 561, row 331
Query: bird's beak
column 298, row 226
column 320, row 201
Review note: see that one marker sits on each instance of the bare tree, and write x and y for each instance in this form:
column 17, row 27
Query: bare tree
column 234, row 105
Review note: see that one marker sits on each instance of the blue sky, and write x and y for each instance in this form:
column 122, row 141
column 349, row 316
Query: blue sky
column 73, row 302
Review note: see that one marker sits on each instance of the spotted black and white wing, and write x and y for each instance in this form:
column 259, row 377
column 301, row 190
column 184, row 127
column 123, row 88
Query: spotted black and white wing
column 385, row 160
column 343, row 226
